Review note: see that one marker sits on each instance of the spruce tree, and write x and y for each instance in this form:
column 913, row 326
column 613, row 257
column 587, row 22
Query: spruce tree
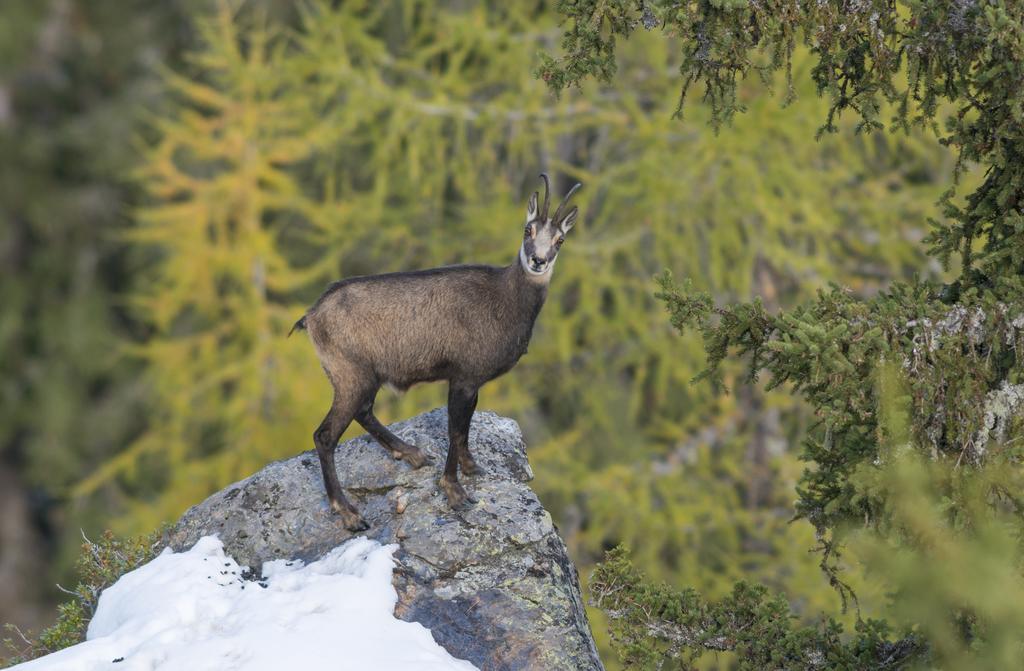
column 917, row 392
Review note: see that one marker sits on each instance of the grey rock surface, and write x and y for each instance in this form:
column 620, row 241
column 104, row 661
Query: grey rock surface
column 493, row 581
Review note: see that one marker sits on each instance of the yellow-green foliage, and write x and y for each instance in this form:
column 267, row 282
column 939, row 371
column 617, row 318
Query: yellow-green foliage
column 951, row 554
column 396, row 135
column 947, row 536
column 943, row 540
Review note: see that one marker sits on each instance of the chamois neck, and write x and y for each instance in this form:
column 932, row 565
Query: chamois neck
column 530, row 289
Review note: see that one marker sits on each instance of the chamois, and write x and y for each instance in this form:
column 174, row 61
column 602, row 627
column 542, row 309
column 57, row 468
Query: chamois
column 465, row 324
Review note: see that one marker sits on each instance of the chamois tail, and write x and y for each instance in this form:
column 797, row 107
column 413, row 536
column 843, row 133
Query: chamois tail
column 300, row 325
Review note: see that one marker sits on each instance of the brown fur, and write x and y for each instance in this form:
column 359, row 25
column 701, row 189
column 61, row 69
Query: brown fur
column 464, row 324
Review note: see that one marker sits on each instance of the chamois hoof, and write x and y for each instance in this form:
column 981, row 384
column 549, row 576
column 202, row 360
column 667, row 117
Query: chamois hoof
column 352, row 520
column 468, row 465
column 415, row 457
column 355, row 523
column 457, row 495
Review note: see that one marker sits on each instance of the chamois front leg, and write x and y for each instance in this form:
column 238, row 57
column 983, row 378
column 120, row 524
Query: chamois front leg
column 326, row 440
column 467, row 465
column 398, row 447
column 461, row 404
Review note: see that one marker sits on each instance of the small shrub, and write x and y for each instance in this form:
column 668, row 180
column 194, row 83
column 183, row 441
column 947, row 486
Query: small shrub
column 99, row 566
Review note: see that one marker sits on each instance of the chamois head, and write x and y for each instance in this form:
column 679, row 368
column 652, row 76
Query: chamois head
column 544, row 235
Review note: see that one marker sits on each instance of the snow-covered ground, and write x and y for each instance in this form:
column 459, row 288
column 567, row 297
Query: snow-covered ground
column 193, row 611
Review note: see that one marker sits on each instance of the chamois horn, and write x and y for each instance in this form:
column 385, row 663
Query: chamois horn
column 547, row 198
column 558, row 213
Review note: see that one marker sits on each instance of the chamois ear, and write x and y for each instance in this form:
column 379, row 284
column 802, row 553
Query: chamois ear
column 569, row 220
column 531, row 208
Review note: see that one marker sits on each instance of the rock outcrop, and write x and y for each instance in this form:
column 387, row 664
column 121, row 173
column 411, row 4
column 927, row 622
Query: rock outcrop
column 493, row 581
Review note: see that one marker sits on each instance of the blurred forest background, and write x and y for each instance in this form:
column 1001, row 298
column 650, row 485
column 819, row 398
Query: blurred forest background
column 180, row 179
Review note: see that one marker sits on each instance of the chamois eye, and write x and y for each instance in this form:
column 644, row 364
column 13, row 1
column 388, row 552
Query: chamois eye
column 561, row 239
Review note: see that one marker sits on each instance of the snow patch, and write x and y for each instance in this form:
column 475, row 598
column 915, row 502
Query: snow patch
column 194, row 611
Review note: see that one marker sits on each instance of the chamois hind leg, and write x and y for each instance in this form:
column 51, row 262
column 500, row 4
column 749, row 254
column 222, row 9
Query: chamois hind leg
column 398, row 447
column 461, row 404
column 326, row 439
